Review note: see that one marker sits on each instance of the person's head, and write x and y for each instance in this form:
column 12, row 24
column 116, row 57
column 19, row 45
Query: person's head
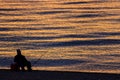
column 18, row 52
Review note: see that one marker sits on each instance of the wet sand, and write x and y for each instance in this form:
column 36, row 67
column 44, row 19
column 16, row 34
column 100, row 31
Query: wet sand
column 55, row 75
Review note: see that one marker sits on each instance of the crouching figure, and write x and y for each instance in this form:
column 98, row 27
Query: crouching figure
column 21, row 62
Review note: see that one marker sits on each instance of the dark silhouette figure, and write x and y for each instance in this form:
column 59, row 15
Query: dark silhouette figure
column 21, row 61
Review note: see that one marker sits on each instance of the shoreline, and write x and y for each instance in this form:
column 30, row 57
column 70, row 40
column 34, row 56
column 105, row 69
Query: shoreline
column 6, row 74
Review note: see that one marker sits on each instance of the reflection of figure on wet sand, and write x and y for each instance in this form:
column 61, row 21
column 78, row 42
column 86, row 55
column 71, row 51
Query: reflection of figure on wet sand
column 21, row 61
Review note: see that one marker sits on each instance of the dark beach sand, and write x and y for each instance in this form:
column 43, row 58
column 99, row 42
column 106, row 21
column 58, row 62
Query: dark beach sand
column 55, row 75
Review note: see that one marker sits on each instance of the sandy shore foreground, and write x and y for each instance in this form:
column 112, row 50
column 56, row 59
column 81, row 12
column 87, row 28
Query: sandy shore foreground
column 55, row 75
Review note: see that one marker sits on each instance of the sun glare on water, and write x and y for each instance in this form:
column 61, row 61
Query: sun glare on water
column 68, row 35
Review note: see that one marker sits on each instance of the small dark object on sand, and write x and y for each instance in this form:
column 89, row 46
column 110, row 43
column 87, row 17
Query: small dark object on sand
column 14, row 67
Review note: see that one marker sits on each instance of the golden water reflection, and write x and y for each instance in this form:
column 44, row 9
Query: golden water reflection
column 68, row 35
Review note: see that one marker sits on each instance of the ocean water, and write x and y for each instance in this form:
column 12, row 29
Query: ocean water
column 65, row 35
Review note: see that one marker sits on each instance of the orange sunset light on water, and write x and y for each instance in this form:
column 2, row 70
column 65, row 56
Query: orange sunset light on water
column 66, row 35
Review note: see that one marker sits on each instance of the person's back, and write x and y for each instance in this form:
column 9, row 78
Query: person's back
column 22, row 61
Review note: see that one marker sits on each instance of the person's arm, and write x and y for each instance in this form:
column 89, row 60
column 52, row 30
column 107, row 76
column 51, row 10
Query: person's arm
column 24, row 58
column 15, row 59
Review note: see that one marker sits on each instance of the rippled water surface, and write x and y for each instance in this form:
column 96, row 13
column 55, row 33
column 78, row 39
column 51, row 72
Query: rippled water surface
column 72, row 35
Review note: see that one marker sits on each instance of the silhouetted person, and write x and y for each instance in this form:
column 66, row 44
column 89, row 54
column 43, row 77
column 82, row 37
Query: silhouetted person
column 21, row 61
